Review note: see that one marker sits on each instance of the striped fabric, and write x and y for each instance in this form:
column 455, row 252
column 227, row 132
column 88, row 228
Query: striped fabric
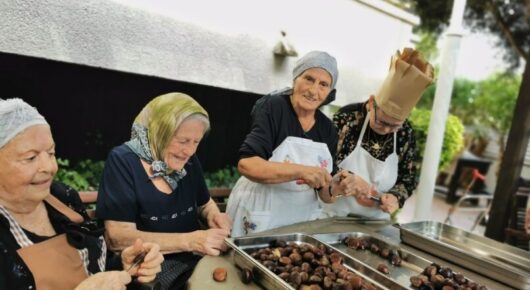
column 23, row 241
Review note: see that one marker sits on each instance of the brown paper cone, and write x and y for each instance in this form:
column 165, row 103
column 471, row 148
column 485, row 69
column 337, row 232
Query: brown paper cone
column 408, row 77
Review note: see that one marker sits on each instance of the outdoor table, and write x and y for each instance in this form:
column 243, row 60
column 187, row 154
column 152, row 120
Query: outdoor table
column 202, row 276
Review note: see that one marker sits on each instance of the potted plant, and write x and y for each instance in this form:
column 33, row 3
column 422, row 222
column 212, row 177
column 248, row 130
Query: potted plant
column 84, row 177
column 220, row 183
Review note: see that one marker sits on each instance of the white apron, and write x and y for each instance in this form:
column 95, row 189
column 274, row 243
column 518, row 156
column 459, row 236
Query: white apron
column 256, row 207
column 381, row 174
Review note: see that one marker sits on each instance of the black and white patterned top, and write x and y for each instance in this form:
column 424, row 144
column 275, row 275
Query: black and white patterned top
column 14, row 273
column 349, row 121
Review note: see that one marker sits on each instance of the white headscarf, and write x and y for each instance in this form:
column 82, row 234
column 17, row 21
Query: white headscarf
column 16, row 116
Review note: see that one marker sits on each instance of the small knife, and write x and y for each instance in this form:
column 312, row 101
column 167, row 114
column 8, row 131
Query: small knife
column 137, row 260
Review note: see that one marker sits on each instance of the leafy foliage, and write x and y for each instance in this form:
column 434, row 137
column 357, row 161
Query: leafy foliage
column 453, row 141
column 85, row 175
column 505, row 18
column 427, row 45
column 462, row 100
column 482, row 105
column 495, row 101
column 225, row 177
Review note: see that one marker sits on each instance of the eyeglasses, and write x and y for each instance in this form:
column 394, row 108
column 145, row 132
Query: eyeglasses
column 383, row 123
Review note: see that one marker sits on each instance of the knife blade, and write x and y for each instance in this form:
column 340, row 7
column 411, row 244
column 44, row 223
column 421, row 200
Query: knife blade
column 137, row 260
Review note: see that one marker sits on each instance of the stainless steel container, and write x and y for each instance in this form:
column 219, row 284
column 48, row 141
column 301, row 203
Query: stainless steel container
column 490, row 258
column 243, row 246
column 411, row 264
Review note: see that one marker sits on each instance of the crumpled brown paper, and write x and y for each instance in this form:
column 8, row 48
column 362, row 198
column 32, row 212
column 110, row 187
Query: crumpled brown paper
column 408, row 77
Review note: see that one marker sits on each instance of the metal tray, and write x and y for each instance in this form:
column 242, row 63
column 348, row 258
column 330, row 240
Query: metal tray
column 411, row 265
column 490, row 258
column 269, row 280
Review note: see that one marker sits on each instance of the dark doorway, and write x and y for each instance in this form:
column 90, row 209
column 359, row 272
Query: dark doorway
column 91, row 110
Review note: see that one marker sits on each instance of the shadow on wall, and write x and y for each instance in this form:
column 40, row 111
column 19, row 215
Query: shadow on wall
column 91, row 110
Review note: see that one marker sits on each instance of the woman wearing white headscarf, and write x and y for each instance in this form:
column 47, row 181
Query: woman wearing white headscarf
column 287, row 157
column 46, row 240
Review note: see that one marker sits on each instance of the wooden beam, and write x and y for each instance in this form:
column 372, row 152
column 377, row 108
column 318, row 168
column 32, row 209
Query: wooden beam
column 512, row 162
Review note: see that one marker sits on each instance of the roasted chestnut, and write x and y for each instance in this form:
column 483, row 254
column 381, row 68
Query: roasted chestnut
column 219, row 274
column 396, row 260
column 308, row 256
column 374, row 248
column 416, row 281
column 446, row 272
column 246, row 276
column 383, row 268
column 385, row 252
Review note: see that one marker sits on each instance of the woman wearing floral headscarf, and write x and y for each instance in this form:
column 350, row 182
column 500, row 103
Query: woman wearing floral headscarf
column 153, row 188
column 377, row 143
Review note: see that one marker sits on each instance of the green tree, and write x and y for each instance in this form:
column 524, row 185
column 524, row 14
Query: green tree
column 495, row 102
column 453, row 136
column 462, row 100
column 507, row 19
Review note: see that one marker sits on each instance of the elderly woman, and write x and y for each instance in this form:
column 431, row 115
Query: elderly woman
column 377, row 143
column 153, row 188
column 287, row 157
column 46, row 243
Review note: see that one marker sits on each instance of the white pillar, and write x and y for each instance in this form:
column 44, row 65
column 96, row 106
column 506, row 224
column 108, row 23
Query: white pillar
column 440, row 110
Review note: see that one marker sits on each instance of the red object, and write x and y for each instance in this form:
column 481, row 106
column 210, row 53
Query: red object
column 477, row 175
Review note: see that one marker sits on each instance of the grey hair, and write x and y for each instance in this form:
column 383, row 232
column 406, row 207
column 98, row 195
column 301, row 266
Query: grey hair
column 199, row 117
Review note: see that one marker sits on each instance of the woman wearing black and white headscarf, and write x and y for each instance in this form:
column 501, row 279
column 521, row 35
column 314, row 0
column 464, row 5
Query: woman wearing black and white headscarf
column 287, row 157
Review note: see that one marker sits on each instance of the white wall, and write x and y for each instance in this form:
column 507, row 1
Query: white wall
column 224, row 44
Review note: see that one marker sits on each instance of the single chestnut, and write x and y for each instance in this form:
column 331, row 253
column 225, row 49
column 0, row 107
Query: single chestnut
column 284, row 275
column 385, row 252
column 247, row 276
column 396, row 260
column 284, row 261
column 356, row 282
column 383, row 268
column 295, row 258
column 374, row 248
column 308, row 256
column 416, row 281
column 219, row 274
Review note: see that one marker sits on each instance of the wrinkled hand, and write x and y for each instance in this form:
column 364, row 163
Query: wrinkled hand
column 343, row 183
column 389, row 203
column 220, row 221
column 209, row 242
column 362, row 190
column 147, row 270
column 111, row 280
column 315, row 177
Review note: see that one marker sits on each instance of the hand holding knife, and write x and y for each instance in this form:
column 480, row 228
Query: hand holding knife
column 376, row 197
column 137, row 261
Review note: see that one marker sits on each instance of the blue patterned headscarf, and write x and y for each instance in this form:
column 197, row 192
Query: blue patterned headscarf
column 154, row 127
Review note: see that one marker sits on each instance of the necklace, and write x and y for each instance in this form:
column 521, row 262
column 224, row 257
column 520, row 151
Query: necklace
column 377, row 142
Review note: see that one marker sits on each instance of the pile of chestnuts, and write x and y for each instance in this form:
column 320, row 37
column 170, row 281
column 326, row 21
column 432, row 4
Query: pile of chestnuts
column 362, row 243
column 436, row 277
column 306, row 266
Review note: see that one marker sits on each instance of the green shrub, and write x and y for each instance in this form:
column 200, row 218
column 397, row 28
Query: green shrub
column 225, row 177
column 453, row 137
column 83, row 176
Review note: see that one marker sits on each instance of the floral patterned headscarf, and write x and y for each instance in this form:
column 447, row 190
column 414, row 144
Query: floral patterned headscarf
column 154, row 127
